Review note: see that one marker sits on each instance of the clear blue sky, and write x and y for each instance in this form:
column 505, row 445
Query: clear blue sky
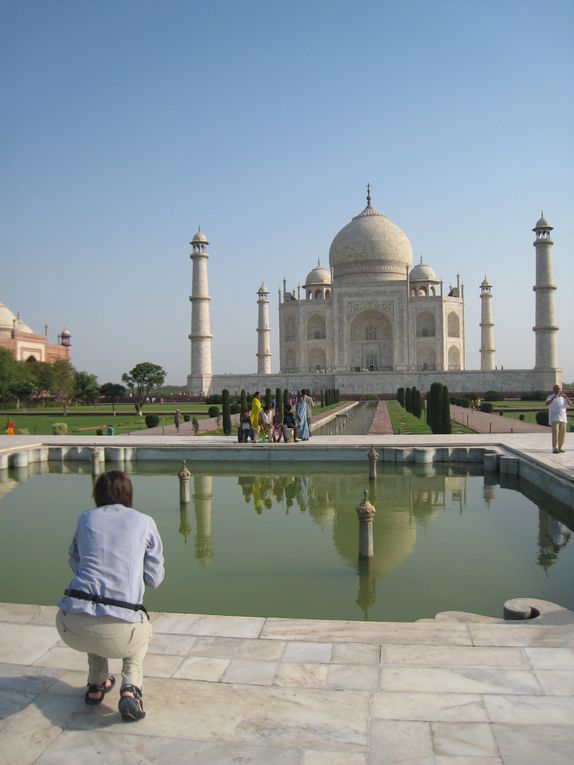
column 128, row 123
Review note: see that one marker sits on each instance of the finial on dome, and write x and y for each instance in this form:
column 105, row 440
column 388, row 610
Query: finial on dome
column 318, row 262
column 421, row 260
column 368, row 194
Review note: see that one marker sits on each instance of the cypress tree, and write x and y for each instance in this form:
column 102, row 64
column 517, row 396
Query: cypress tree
column 285, row 398
column 226, row 408
column 435, row 407
column 322, row 399
column 279, row 402
column 445, row 412
column 408, row 400
column 268, row 397
column 416, row 402
column 243, row 400
column 401, row 396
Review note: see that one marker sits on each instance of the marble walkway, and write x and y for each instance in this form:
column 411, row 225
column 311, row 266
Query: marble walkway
column 222, row 690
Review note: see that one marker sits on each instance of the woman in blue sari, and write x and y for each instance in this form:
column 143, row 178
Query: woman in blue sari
column 302, row 418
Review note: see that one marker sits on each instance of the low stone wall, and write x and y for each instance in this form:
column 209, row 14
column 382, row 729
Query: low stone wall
column 387, row 383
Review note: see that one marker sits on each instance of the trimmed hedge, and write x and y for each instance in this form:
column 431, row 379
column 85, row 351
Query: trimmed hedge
column 213, row 411
column 151, row 420
column 542, row 417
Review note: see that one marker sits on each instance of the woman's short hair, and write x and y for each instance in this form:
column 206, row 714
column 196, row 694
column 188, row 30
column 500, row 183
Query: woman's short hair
column 113, row 488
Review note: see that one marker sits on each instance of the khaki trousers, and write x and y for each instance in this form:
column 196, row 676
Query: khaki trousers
column 558, row 433
column 104, row 638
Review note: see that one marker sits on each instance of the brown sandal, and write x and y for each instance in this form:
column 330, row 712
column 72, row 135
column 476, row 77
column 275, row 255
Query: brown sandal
column 101, row 689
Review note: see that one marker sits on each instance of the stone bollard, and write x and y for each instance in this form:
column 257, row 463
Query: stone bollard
column 21, row 459
column 184, row 476
column 365, row 514
column 373, row 457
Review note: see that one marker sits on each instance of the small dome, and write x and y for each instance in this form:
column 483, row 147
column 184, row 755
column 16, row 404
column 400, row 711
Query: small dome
column 422, row 273
column 485, row 284
column 542, row 223
column 319, row 276
column 199, row 238
column 262, row 290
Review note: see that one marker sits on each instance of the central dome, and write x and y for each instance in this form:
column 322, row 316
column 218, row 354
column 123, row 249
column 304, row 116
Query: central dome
column 370, row 248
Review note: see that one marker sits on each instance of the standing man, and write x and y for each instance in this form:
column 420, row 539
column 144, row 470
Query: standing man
column 558, row 403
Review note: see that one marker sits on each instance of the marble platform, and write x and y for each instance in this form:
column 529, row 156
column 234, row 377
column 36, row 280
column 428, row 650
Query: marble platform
column 219, row 690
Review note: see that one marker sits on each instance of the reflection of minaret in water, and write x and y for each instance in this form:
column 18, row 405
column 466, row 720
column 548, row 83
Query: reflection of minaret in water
column 367, row 595
column 203, row 505
column 552, row 537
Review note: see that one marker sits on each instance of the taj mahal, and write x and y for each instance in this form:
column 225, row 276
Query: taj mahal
column 372, row 322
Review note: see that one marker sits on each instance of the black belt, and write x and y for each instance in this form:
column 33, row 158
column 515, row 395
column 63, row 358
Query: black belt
column 105, row 601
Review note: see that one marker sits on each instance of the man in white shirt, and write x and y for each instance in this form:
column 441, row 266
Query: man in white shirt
column 558, row 403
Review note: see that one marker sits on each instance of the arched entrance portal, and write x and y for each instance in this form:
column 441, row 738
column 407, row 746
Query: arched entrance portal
column 371, row 342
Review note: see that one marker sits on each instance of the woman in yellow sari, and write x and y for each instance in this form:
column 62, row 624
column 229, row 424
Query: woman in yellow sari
column 256, row 407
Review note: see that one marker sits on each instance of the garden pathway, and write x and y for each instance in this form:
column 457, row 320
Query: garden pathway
column 381, row 425
column 481, row 422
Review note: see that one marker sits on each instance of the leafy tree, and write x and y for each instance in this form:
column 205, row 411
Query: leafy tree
column 142, row 380
column 112, row 393
column 24, row 386
column 7, row 371
column 43, row 374
column 86, row 389
column 64, row 382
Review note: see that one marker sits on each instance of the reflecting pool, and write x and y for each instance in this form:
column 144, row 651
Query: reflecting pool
column 283, row 540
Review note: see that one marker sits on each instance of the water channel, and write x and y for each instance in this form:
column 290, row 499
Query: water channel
column 283, row 540
column 355, row 421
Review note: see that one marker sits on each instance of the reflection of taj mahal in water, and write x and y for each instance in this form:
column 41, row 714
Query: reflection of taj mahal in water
column 372, row 311
column 405, row 508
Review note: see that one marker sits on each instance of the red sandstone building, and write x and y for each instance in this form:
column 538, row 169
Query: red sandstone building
column 24, row 344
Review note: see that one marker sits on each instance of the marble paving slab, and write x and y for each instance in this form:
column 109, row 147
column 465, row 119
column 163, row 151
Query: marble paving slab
column 367, row 632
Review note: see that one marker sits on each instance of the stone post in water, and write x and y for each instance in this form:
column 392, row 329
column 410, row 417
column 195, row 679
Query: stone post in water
column 365, row 514
column 373, row 457
column 184, row 476
column 97, row 460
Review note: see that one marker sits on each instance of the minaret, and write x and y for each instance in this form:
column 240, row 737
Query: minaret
column 199, row 380
column 486, row 327
column 545, row 321
column 263, row 332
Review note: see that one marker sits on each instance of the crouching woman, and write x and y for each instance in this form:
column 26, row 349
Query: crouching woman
column 115, row 552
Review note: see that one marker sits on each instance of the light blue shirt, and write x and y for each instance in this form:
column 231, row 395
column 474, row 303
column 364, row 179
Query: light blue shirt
column 115, row 552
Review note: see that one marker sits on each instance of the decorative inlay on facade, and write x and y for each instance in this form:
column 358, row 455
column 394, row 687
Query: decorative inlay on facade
column 362, row 305
column 370, row 267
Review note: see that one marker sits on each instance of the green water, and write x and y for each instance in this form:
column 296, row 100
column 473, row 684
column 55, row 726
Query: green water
column 285, row 542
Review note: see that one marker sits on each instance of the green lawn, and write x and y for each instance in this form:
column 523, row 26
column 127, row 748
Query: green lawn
column 508, row 409
column 87, row 420
column 405, row 423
